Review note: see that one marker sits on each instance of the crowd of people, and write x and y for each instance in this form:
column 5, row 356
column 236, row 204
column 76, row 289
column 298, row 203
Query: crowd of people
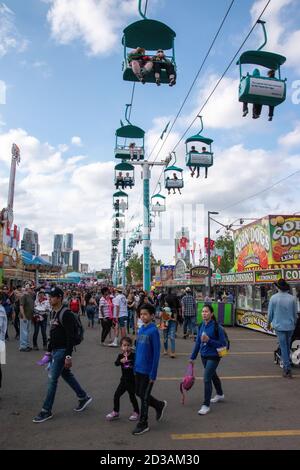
column 132, row 320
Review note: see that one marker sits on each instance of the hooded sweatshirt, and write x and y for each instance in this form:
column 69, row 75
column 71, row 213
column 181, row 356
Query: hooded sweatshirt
column 147, row 351
column 209, row 349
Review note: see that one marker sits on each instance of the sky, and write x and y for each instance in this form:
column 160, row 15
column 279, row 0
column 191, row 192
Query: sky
column 62, row 97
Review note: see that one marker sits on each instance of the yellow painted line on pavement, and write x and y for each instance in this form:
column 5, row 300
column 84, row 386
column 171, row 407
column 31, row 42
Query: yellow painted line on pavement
column 234, row 377
column 253, row 339
column 244, row 353
column 234, row 435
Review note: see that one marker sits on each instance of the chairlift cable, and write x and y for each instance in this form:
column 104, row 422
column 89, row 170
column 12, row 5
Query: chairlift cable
column 219, row 81
column 195, row 79
column 262, row 191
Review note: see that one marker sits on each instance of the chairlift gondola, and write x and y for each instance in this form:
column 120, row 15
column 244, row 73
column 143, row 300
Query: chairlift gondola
column 196, row 159
column 129, row 140
column 257, row 89
column 124, row 175
column 173, row 176
column 151, row 35
column 120, row 201
column 158, row 202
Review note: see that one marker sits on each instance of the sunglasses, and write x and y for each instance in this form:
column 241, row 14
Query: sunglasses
column 160, row 51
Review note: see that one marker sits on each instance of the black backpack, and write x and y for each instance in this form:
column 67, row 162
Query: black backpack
column 78, row 328
column 216, row 332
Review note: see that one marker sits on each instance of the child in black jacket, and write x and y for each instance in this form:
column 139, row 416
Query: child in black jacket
column 127, row 382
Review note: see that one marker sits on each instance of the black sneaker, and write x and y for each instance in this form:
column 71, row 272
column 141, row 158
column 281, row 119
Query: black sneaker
column 83, row 404
column 43, row 416
column 160, row 412
column 140, row 429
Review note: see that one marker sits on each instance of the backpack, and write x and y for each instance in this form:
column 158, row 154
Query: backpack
column 216, row 332
column 187, row 381
column 74, row 305
column 78, row 328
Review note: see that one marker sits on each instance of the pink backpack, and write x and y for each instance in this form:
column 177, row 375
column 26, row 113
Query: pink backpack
column 187, row 381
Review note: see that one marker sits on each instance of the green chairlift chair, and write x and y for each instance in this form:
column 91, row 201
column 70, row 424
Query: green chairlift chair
column 262, row 90
column 151, row 35
column 124, row 175
column 198, row 150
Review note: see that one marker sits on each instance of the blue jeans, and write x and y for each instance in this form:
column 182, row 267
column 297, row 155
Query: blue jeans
column 25, row 329
column 56, row 369
column 285, row 338
column 130, row 320
column 189, row 324
column 210, row 377
column 43, row 326
column 169, row 333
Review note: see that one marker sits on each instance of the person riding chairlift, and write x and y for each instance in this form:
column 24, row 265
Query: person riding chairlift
column 161, row 62
column 256, row 110
column 140, row 63
column 133, row 150
column 120, row 180
column 128, row 181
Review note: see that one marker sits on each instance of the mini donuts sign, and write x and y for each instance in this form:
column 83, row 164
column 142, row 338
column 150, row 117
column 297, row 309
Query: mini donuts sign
column 271, row 242
column 285, row 240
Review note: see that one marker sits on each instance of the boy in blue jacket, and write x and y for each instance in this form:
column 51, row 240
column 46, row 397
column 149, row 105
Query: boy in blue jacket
column 210, row 338
column 146, row 364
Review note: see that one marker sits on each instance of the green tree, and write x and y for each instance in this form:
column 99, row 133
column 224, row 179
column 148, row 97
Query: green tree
column 225, row 242
column 135, row 267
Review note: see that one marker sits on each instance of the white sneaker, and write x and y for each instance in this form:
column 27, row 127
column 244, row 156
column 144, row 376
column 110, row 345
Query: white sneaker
column 217, row 398
column 114, row 344
column 204, row 410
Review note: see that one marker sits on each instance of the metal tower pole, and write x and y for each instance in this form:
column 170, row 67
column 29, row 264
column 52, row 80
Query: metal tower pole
column 124, row 263
column 146, row 165
column 146, row 231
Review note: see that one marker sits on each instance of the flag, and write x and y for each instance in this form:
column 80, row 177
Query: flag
column 165, row 130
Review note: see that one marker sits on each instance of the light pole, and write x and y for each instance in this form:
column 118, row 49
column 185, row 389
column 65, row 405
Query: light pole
column 208, row 249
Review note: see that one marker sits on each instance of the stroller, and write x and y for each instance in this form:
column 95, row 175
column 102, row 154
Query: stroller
column 295, row 349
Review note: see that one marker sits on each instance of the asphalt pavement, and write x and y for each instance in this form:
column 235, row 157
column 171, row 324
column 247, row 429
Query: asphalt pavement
column 260, row 411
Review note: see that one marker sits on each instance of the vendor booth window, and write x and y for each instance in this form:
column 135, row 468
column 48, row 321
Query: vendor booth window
column 244, row 299
column 257, row 298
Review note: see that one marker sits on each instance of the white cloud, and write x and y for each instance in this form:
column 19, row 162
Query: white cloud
column 58, row 193
column 76, row 141
column 291, row 139
column 96, row 22
column 9, row 36
column 281, row 37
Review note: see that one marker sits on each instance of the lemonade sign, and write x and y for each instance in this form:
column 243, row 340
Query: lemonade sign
column 271, row 242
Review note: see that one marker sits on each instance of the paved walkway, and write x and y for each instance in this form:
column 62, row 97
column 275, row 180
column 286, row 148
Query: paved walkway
column 261, row 410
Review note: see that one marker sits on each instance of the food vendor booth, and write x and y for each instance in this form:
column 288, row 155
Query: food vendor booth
column 265, row 251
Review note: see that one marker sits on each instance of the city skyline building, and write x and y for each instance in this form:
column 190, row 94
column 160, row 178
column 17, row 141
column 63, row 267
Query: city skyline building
column 76, row 260
column 30, row 242
column 84, row 268
column 68, row 242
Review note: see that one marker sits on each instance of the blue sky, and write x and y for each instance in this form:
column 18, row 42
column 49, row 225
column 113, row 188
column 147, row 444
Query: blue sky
column 62, row 70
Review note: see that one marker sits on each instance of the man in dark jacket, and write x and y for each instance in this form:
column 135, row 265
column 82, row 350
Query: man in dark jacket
column 62, row 340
